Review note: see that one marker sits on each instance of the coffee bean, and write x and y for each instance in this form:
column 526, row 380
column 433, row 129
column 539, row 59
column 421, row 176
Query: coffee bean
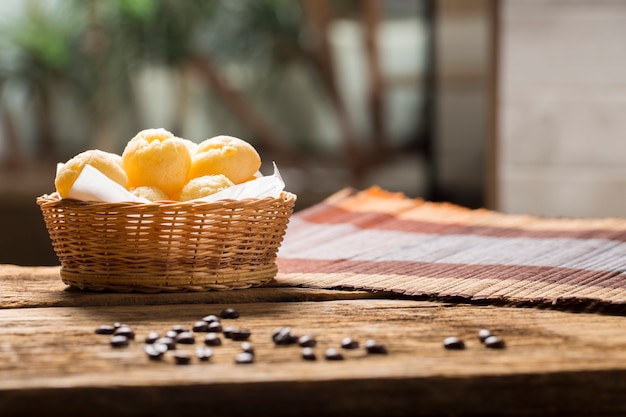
column 125, row 331
column 210, row 318
column 229, row 313
column 182, row 358
column 244, row 357
column 204, row 353
column 454, row 343
column 214, row 327
column 284, row 336
column 167, row 341
column 178, row 328
column 200, row 326
column 152, row 337
column 247, row 347
column 160, row 347
column 186, row 338
column 278, row 331
column 119, row 341
column 155, row 351
column 307, row 341
column 227, row 331
column 483, row 334
column 212, row 339
column 494, row 342
column 308, row 354
column 105, row 329
column 333, row 354
column 349, row 343
column 373, row 347
column 239, row 334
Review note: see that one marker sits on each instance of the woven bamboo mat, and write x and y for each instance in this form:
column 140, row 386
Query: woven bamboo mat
column 381, row 241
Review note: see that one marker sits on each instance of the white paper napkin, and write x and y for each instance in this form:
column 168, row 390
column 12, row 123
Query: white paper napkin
column 93, row 185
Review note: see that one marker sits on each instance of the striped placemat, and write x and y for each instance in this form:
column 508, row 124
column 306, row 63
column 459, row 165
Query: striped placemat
column 382, row 241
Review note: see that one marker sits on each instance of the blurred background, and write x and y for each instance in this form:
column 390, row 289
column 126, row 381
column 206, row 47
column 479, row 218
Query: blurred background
column 513, row 106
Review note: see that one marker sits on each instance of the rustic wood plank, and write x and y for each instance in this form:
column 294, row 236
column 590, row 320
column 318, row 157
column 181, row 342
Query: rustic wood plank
column 23, row 287
column 41, row 286
column 555, row 363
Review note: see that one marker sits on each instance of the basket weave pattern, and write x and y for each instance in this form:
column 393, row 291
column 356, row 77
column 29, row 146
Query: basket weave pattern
column 177, row 246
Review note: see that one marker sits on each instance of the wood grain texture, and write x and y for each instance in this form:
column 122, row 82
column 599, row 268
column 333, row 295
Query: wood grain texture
column 24, row 287
column 555, row 363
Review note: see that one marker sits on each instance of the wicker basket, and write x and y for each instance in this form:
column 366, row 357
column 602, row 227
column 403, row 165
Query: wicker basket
column 173, row 246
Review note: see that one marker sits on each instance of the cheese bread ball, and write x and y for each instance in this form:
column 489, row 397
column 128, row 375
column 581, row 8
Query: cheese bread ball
column 149, row 192
column 203, row 186
column 155, row 157
column 226, row 155
column 191, row 145
column 109, row 164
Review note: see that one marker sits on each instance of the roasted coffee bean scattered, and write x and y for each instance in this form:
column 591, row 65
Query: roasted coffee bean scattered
column 227, row 331
column 125, row 331
column 333, row 354
column 244, row 357
column 185, row 338
column 179, row 328
column 307, row 341
column 453, row 343
column 156, row 346
column 152, row 337
column 212, row 339
column 105, row 329
column 349, row 343
column 494, row 342
column 119, row 341
column 278, row 331
column 210, row 318
column 167, row 341
column 284, row 336
column 160, row 347
column 182, row 358
column 483, row 334
column 308, row 354
column 373, row 347
column 214, row 327
column 247, row 347
column 229, row 313
column 155, row 351
column 239, row 334
column 204, row 353
column 200, row 326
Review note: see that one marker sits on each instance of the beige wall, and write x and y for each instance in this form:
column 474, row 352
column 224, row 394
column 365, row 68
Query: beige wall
column 562, row 107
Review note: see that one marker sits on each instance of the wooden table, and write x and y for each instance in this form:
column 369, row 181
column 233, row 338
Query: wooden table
column 555, row 363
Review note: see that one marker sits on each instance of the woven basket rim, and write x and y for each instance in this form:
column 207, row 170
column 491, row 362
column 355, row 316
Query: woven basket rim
column 55, row 198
